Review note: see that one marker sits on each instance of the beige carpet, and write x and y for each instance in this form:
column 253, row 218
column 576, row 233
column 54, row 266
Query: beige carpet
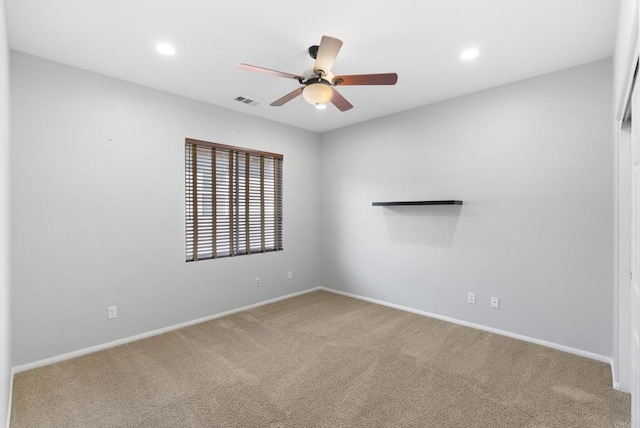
column 322, row 360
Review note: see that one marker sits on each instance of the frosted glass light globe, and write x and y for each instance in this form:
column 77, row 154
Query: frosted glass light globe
column 317, row 93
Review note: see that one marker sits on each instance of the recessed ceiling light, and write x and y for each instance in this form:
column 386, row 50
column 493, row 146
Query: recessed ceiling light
column 469, row 54
column 166, row 49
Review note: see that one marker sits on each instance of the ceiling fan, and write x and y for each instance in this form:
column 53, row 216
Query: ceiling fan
column 318, row 86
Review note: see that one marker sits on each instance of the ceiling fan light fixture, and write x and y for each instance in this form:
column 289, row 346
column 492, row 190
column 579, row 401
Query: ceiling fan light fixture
column 321, row 106
column 317, row 94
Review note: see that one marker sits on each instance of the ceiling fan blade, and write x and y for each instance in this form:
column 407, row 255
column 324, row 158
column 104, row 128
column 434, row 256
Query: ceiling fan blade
column 327, row 53
column 288, row 97
column 366, row 79
column 249, row 67
column 340, row 101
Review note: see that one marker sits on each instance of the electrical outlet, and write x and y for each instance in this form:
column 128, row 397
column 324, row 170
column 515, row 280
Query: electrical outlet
column 495, row 302
column 257, row 282
column 290, row 275
column 112, row 312
column 471, row 298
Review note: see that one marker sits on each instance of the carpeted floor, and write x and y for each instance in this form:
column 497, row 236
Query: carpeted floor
column 322, row 360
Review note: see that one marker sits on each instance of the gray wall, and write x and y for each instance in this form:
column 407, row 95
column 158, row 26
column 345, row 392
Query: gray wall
column 5, row 353
column 98, row 210
column 532, row 161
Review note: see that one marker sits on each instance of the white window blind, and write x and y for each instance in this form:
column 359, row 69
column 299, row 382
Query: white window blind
column 233, row 201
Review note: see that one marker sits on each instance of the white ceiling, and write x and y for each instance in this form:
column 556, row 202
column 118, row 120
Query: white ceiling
column 421, row 41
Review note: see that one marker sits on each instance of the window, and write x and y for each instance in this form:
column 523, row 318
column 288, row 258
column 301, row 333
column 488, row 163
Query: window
column 233, row 200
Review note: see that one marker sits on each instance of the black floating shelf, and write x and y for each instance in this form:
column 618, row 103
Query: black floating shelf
column 390, row 204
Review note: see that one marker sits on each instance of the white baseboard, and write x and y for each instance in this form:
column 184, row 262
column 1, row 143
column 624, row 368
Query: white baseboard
column 9, row 405
column 614, row 377
column 74, row 354
column 123, row 341
column 552, row 345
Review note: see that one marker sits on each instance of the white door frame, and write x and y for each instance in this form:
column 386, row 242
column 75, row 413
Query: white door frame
column 635, row 258
column 627, row 54
column 621, row 367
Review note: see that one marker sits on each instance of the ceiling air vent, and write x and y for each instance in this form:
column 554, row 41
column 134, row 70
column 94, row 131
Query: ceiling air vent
column 249, row 101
